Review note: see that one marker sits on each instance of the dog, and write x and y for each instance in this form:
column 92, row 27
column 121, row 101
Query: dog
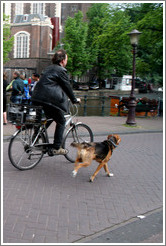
column 99, row 151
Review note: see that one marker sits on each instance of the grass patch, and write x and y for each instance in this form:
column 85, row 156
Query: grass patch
column 131, row 126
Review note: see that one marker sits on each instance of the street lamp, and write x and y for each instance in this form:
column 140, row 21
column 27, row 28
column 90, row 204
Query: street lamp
column 134, row 36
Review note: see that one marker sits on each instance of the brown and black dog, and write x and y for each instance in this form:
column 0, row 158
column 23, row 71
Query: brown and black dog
column 99, row 151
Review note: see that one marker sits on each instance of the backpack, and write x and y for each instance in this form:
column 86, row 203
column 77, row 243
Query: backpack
column 26, row 95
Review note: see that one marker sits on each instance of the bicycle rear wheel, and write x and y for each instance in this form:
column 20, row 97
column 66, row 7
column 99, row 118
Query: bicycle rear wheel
column 77, row 133
column 22, row 155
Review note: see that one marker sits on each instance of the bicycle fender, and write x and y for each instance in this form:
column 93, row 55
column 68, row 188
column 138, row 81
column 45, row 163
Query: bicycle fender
column 15, row 134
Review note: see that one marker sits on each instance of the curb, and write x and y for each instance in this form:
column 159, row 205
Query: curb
column 127, row 231
column 126, row 132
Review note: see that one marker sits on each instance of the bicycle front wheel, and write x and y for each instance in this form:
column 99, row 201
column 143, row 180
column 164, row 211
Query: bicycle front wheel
column 21, row 153
column 77, row 133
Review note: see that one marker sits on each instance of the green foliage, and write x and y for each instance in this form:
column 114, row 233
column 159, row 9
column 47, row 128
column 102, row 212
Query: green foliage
column 114, row 44
column 75, row 45
column 102, row 41
column 7, row 39
column 98, row 16
column 151, row 42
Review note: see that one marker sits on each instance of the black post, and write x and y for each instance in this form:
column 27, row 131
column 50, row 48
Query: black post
column 132, row 101
column 103, row 103
column 85, row 105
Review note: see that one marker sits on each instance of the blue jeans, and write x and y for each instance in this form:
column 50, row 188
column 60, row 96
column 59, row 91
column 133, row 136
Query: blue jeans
column 16, row 99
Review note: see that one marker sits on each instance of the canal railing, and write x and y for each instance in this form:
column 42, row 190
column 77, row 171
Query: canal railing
column 98, row 104
column 105, row 105
column 108, row 105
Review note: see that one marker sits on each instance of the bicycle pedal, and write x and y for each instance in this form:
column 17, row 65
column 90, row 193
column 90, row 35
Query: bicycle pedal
column 50, row 152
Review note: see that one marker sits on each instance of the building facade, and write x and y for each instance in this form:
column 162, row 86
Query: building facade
column 46, row 9
column 37, row 28
column 69, row 9
column 32, row 43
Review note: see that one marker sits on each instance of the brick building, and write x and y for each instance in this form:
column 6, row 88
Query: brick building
column 32, row 43
column 69, row 9
column 37, row 28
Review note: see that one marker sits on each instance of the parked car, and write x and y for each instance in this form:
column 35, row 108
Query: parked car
column 83, row 86
column 94, row 85
column 79, row 85
column 143, row 87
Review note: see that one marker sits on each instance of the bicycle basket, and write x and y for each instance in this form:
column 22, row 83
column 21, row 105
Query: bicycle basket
column 15, row 113
column 25, row 114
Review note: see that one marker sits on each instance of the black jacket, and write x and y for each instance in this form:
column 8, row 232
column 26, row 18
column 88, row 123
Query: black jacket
column 5, row 84
column 54, row 88
column 17, row 87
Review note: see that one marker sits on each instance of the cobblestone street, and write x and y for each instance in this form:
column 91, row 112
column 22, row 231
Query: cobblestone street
column 47, row 205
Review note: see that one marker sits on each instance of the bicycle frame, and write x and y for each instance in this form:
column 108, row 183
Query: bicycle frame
column 73, row 126
column 42, row 128
column 71, row 117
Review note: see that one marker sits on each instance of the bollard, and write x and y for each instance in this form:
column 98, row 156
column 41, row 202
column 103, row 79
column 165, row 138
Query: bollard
column 103, row 103
column 85, row 105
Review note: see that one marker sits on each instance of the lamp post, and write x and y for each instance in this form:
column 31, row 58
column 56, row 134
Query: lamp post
column 134, row 35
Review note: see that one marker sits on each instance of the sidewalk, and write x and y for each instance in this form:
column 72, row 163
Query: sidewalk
column 105, row 125
column 47, row 205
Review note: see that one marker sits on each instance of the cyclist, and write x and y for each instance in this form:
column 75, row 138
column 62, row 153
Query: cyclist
column 52, row 92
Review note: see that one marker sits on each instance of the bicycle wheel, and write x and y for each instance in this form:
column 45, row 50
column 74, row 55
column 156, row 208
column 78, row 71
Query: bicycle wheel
column 77, row 133
column 22, row 155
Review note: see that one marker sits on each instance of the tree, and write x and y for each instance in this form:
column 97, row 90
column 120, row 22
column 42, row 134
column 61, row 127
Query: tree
column 7, row 39
column 102, row 43
column 107, row 39
column 110, row 47
column 148, row 18
column 96, row 20
column 115, row 45
column 151, row 43
column 75, row 45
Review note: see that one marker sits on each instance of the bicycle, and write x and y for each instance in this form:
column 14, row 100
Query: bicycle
column 26, row 148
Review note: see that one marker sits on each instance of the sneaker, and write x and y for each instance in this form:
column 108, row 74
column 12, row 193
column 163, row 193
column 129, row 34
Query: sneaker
column 60, row 151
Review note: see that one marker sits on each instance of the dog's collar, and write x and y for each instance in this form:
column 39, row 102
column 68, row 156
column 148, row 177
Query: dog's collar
column 112, row 142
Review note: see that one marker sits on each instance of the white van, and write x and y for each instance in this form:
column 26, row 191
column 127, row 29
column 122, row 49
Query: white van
column 125, row 83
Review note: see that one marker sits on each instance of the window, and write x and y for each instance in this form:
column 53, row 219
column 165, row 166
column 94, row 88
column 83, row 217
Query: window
column 25, row 18
column 19, row 9
column 73, row 8
column 38, row 8
column 21, row 45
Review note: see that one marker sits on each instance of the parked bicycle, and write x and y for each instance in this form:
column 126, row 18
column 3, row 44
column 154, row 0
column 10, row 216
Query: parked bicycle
column 26, row 148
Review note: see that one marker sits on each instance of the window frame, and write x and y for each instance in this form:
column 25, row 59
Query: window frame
column 19, row 8
column 21, row 44
column 74, row 8
column 37, row 7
